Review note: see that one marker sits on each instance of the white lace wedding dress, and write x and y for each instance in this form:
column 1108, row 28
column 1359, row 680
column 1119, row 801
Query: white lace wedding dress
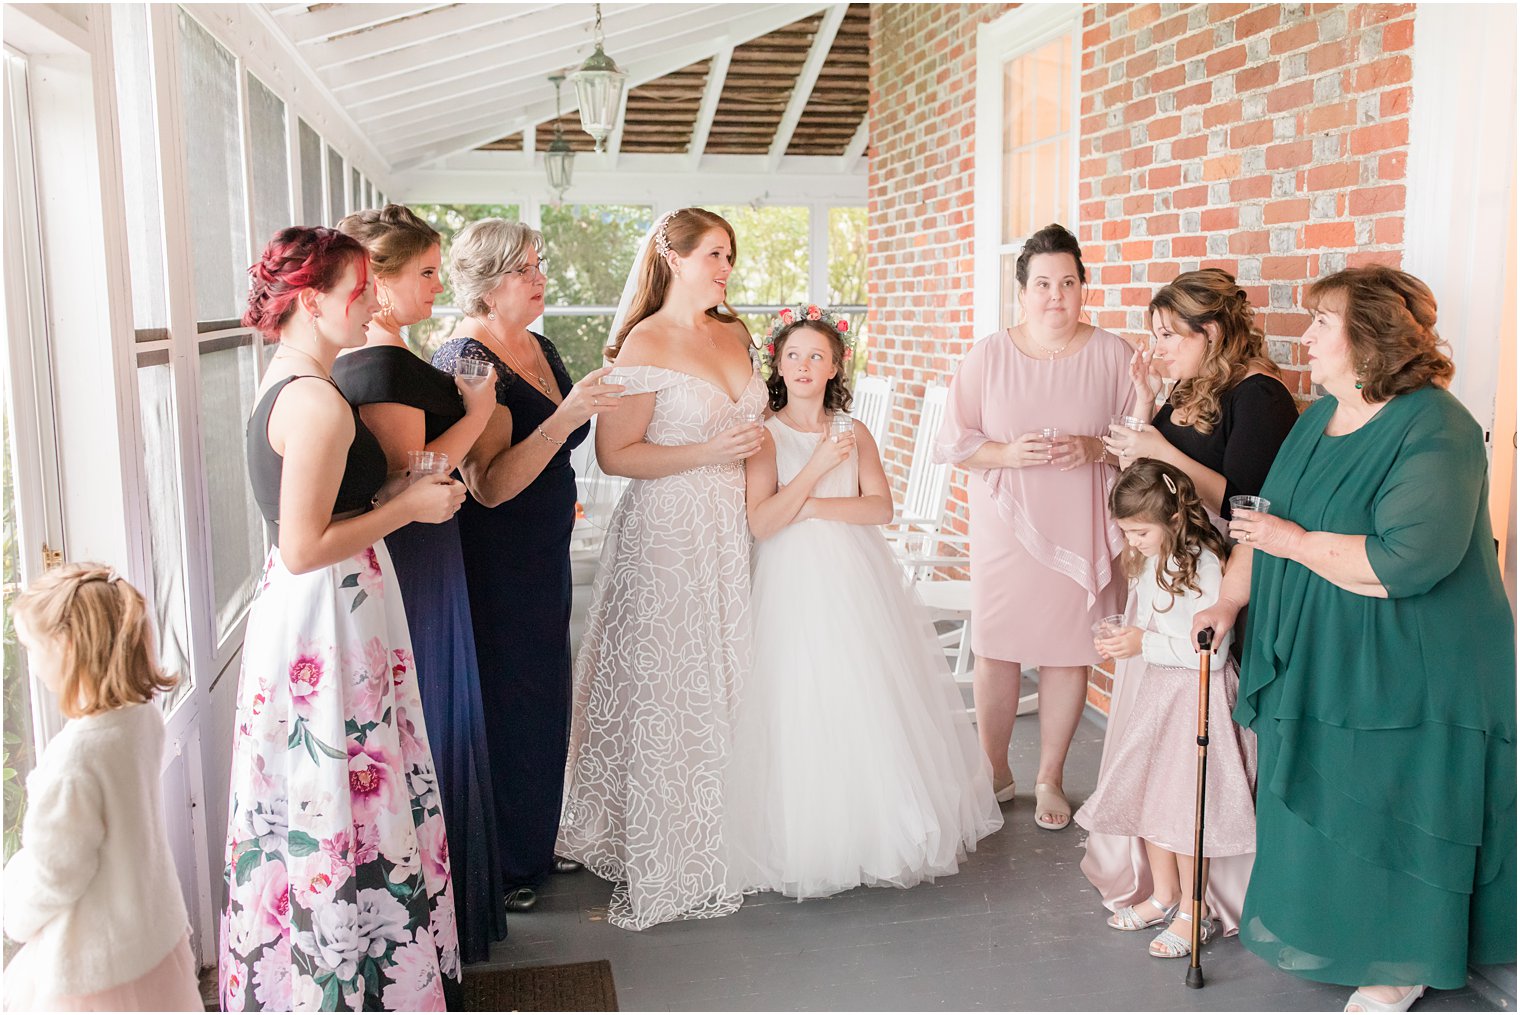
column 854, row 762
column 656, row 681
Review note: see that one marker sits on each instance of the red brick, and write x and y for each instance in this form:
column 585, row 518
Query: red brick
column 1393, row 70
column 1393, row 165
column 1135, row 297
column 1135, row 204
column 1379, row 136
column 1331, row 117
column 1299, row 93
column 1195, row 45
column 1249, row 134
column 1398, row 35
column 1377, row 200
column 1216, row 219
column 1388, row 231
column 1189, row 246
column 1162, row 177
column 1096, row 36
column 1115, row 229
column 1139, row 66
column 1140, row 17
column 1166, row 79
column 1329, row 234
column 1116, row 183
column 1166, row 31
column 1137, row 158
column 1289, row 155
column 1140, row 109
column 1394, row 102
column 1333, row 176
column 1195, row 95
column 1194, row 147
column 1278, row 269
column 1250, row 188
column 1250, row 242
column 1362, row 258
column 1190, row 197
column 1164, row 127
column 1225, row 60
column 1259, row 76
column 1136, row 250
column 1222, row 114
column 1331, row 55
column 1221, row 167
column 1283, row 323
column 1294, row 36
column 1257, row 21
column 1223, row 12
column 1114, row 274
column 1223, row 264
column 1296, row 210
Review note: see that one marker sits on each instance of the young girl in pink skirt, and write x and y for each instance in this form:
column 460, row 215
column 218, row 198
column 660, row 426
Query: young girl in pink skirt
column 92, row 893
column 1140, row 855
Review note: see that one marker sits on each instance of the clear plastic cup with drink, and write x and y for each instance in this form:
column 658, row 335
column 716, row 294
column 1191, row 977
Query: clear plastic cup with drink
column 1244, row 502
column 840, row 425
column 426, row 463
column 1107, row 627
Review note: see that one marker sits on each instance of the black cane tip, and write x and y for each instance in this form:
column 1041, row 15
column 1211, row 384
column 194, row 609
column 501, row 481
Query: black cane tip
column 1195, row 977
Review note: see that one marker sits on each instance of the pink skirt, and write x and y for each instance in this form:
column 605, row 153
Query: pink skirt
column 169, row 986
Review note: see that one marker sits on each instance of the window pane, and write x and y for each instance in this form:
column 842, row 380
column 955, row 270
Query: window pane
column 1037, row 126
column 311, row 174
column 369, row 195
column 229, row 376
column 270, row 163
column 335, row 209
column 847, row 256
column 590, row 249
column 772, row 267
column 18, row 684
column 218, row 230
column 139, row 168
column 161, row 470
column 426, row 336
column 1008, row 314
column 356, row 200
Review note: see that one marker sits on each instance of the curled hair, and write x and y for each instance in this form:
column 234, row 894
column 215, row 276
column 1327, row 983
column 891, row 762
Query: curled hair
column 393, row 235
column 297, row 258
column 1053, row 239
column 104, row 641
column 681, row 231
column 1210, row 296
column 1390, row 321
column 482, row 253
column 1142, row 493
column 836, row 393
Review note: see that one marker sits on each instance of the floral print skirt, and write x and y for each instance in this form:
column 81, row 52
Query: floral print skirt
column 337, row 889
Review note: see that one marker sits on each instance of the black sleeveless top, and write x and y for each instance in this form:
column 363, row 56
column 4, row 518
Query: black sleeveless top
column 363, row 473
column 389, row 373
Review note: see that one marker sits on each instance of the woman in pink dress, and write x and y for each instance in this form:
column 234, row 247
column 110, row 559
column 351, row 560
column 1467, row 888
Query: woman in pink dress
column 1025, row 414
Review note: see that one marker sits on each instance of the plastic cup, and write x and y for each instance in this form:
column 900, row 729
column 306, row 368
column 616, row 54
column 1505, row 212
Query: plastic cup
column 472, row 371
column 1242, row 502
column 1050, row 433
column 426, row 463
column 1127, row 422
column 616, row 378
column 840, row 426
column 1107, row 627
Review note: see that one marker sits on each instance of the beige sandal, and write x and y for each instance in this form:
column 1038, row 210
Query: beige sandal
column 1049, row 799
column 1365, row 1003
column 1003, row 794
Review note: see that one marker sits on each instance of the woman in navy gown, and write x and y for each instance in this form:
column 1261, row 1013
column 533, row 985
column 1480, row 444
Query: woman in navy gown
column 516, row 527
column 411, row 406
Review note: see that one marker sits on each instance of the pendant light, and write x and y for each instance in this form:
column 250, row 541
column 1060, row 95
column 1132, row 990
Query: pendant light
column 559, row 158
column 599, row 90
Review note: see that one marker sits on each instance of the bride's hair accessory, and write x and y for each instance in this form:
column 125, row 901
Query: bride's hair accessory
column 662, row 234
column 802, row 313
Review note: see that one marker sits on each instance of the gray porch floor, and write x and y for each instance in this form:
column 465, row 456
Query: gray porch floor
column 1019, row 928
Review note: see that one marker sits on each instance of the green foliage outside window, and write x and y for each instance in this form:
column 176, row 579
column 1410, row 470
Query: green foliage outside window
column 590, row 249
column 17, row 704
column 426, row 336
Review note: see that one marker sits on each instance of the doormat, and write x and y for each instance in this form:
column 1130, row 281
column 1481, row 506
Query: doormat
column 576, row 986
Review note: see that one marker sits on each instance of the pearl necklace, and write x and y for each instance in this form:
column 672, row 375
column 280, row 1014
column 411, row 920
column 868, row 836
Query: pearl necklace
column 1048, row 352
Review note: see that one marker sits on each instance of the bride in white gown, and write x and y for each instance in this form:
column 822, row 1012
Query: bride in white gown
column 667, row 636
column 854, row 762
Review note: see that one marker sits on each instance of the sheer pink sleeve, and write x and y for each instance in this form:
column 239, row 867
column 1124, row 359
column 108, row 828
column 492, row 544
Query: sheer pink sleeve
column 961, row 433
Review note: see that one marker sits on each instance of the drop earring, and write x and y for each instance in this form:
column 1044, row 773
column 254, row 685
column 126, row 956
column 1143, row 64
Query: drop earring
column 490, row 315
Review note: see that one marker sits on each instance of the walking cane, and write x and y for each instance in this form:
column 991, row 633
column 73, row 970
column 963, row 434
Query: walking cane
column 1205, row 639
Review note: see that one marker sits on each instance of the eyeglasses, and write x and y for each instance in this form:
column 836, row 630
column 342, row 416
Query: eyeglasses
column 527, row 270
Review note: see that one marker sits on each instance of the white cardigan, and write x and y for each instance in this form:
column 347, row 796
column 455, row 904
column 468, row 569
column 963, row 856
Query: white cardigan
column 1168, row 638
column 93, row 892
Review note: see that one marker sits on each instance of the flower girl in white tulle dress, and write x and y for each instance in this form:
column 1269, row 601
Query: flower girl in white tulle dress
column 854, row 762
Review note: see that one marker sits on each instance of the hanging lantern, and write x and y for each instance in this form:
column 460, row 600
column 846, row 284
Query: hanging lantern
column 599, row 90
column 559, row 158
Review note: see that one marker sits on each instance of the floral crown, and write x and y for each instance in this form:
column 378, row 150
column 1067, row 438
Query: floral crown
column 789, row 316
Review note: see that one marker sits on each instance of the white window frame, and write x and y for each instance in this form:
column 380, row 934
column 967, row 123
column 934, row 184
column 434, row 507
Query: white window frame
column 1013, row 35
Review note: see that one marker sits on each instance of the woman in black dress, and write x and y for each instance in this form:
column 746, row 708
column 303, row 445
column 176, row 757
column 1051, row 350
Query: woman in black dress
column 516, row 528
column 1228, row 411
column 410, row 406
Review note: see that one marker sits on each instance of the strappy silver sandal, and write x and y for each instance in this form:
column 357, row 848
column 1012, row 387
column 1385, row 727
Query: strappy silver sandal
column 1174, row 946
column 1128, row 919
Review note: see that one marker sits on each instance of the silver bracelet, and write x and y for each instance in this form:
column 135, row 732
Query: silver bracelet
column 551, row 440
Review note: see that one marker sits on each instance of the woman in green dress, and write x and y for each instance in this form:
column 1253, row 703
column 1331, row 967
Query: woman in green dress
column 1379, row 668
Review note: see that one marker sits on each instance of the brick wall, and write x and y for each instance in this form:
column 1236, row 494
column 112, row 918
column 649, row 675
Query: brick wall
column 1266, row 139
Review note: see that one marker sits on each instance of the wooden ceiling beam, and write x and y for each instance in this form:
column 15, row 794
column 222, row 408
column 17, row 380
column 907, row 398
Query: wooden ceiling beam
column 850, row 160
column 306, row 27
column 441, row 29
